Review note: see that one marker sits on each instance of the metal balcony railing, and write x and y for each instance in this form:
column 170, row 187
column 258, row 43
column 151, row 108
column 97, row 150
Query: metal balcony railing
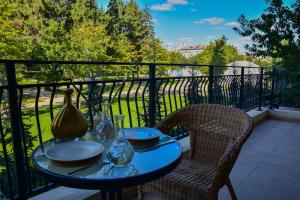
column 28, row 109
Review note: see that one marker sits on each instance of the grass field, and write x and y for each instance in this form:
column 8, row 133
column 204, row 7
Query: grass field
column 45, row 119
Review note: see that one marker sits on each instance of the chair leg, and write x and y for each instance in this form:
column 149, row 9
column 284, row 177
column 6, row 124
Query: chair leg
column 140, row 193
column 231, row 190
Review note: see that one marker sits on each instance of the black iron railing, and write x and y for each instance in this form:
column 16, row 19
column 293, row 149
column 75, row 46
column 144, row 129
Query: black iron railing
column 28, row 109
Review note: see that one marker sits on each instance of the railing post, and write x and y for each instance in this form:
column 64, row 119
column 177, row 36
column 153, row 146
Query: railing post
column 260, row 94
column 272, row 88
column 211, row 85
column 15, row 118
column 152, row 91
column 241, row 101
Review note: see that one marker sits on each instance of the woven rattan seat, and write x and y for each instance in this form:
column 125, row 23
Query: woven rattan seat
column 217, row 134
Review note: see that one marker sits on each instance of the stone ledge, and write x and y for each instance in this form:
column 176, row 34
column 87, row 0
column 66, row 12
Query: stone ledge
column 65, row 193
column 257, row 115
column 289, row 115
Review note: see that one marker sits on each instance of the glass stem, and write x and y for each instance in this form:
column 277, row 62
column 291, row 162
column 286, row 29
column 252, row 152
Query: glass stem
column 122, row 127
column 105, row 111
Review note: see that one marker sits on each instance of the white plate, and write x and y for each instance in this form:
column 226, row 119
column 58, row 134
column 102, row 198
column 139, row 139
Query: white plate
column 141, row 133
column 74, row 151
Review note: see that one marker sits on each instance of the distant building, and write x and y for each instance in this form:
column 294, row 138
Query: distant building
column 190, row 50
column 187, row 71
column 250, row 68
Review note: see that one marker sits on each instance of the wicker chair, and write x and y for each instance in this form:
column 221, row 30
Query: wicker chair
column 217, row 134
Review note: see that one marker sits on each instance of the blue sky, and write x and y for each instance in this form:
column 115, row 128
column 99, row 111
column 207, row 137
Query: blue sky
column 184, row 22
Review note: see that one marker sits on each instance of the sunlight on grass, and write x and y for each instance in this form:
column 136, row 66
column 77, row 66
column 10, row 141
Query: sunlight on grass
column 45, row 119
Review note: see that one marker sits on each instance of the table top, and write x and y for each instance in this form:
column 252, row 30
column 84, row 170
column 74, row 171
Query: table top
column 145, row 166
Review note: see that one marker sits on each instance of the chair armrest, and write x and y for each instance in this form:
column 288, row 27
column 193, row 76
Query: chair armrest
column 166, row 125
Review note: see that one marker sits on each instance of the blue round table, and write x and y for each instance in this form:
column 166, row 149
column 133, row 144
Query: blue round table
column 148, row 165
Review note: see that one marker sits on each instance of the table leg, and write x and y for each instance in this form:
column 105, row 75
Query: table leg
column 103, row 194
column 119, row 194
column 115, row 194
column 112, row 195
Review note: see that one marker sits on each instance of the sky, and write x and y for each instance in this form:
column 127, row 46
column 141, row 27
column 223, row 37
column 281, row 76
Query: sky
column 190, row 22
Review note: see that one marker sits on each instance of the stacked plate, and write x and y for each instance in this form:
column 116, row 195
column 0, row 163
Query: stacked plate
column 75, row 154
column 142, row 137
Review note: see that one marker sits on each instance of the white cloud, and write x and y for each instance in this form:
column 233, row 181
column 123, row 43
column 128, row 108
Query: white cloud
column 163, row 7
column 213, row 21
column 194, row 10
column 185, row 39
column 181, row 2
column 154, row 20
column 232, row 24
column 245, row 40
column 210, row 37
column 169, row 5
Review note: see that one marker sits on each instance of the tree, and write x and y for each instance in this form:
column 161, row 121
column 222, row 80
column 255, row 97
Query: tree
column 137, row 27
column 176, row 57
column 73, row 30
column 86, row 11
column 154, row 52
column 52, row 45
column 13, row 43
column 86, row 45
column 114, row 12
column 231, row 53
column 276, row 33
column 119, row 48
column 213, row 54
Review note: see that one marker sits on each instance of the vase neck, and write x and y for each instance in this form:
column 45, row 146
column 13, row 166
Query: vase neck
column 120, row 123
column 68, row 96
column 105, row 115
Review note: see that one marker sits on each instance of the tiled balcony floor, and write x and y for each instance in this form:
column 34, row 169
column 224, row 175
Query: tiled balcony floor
column 268, row 167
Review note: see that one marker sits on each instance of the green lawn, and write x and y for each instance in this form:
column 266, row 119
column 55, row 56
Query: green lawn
column 45, row 120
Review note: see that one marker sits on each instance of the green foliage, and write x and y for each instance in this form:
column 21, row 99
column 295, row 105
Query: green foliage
column 231, row 53
column 114, row 24
column 85, row 45
column 176, row 57
column 276, row 33
column 216, row 53
column 13, row 42
column 137, row 26
column 77, row 30
column 154, row 52
column 86, row 11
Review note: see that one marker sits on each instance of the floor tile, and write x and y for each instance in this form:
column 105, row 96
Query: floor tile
column 267, row 163
column 289, row 192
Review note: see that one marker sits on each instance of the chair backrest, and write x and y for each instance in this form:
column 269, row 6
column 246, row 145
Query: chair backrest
column 217, row 134
column 212, row 128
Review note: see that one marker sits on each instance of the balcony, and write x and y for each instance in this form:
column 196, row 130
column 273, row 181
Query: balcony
column 267, row 162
